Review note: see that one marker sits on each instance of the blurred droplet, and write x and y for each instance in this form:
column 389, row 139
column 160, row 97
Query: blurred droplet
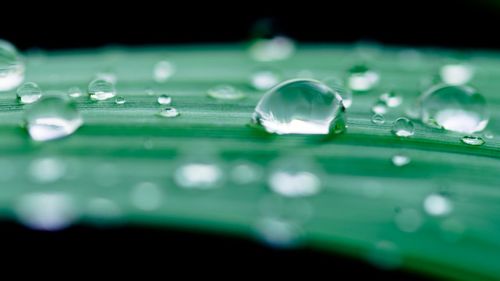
column 103, row 212
column 146, row 196
column 456, row 74
column 265, row 79
column 379, row 107
column 437, row 205
column 362, row 78
column 74, row 92
column 391, row 99
column 52, row 118
column 400, row 160
column 198, row 175
column 163, row 70
column 294, row 178
column 386, row 255
column 408, row 220
column 274, row 49
column 11, row 67
column 225, row 92
column 245, row 173
column 47, row 170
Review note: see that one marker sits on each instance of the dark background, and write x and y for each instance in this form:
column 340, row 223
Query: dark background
column 76, row 24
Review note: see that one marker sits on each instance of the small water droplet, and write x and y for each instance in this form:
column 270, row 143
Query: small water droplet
column 456, row 108
column 473, row 140
column 245, row 173
column 408, row 220
column 198, row 175
column 362, row 78
column 164, row 100
column 274, row 49
column 403, row 127
column 225, row 92
column 294, row 178
column 400, row 160
column 28, row 92
column 338, row 86
column 265, row 79
column 11, row 67
column 163, row 70
column 391, row 99
column 386, row 255
column 47, row 170
column 437, row 205
column 456, row 74
column 146, row 196
column 46, row 211
column 378, row 119
column 301, row 107
column 52, row 118
column 169, row 112
column 379, row 107
column 100, row 89
column 488, row 135
column 74, row 92
column 120, row 100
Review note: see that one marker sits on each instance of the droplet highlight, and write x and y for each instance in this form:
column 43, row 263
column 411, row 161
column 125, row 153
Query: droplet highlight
column 225, row 92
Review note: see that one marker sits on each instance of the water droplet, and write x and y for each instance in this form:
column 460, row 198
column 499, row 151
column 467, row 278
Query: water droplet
column 455, row 108
column 120, row 100
column 437, row 205
column 225, row 92
column 400, row 160
column 362, row 78
column 301, row 107
column 379, row 107
column 11, row 67
column 403, row 127
column 169, row 112
column 146, row 196
column 104, row 212
column 52, row 118
column 28, row 92
column 46, row 211
column 473, row 140
column 109, row 77
column 408, row 220
column 100, row 89
column 47, row 170
column 456, row 74
column 488, row 135
column 338, row 86
column 294, row 177
column 274, row 49
column 391, row 99
column 149, row 92
column 163, row 70
column 245, row 173
column 265, row 79
column 164, row 100
column 378, row 119
column 198, row 175
column 278, row 232
column 386, row 255
column 74, row 92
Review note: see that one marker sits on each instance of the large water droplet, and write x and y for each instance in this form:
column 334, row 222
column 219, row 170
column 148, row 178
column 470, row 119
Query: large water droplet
column 28, row 92
column 265, row 79
column 100, row 89
column 46, row 211
column 169, row 112
column 47, row 170
column 455, row 108
column 362, row 78
column 301, row 107
column 146, row 196
column 164, row 100
column 456, row 74
column 52, row 118
column 338, row 86
column 11, row 67
column 437, row 205
column 198, row 175
column 163, row 70
column 225, row 92
column 473, row 140
column 274, row 49
column 403, row 127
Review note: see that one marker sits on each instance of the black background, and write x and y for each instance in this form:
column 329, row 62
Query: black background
column 76, row 24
